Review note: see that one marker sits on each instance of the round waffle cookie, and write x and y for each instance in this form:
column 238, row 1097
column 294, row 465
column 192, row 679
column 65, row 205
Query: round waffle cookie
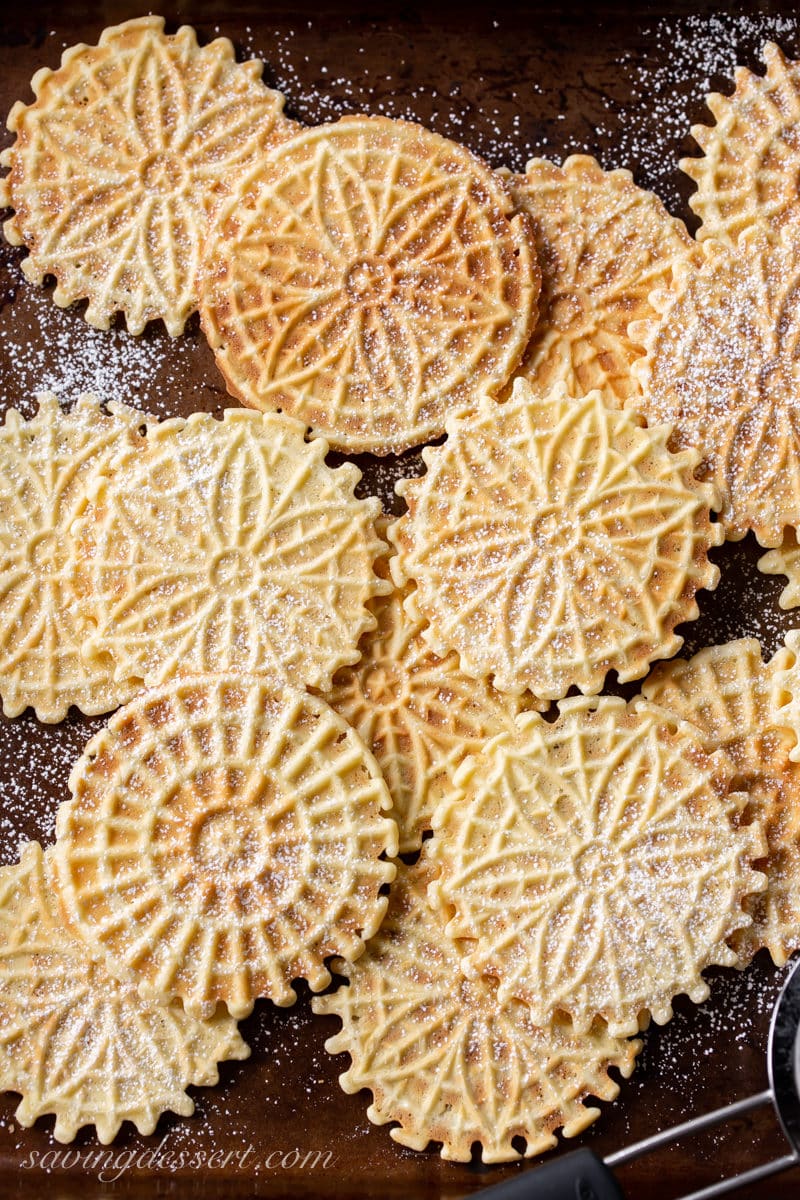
column 230, row 546
column 603, row 245
column 119, row 163
column 785, row 560
column 597, row 863
column 553, row 540
column 224, row 837
column 47, row 466
column 369, row 278
column 75, row 1042
column 449, row 1061
column 727, row 693
column 418, row 713
column 748, row 172
column 721, row 367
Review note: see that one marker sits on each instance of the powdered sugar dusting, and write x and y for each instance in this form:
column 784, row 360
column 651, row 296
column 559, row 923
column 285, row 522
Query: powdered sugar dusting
column 689, row 57
column 46, row 348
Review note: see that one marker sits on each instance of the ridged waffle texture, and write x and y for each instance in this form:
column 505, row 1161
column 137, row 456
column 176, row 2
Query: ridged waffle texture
column 748, row 171
column 727, row 694
column 120, row 162
column 48, row 466
column 598, row 862
column 785, row 560
column 369, row 277
column 230, row 545
column 224, row 837
column 75, row 1042
column 721, row 366
column 553, row 540
column 786, row 690
column 603, row 245
column 444, row 1057
column 418, row 713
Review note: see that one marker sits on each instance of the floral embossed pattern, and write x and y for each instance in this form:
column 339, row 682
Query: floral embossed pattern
column 224, row 837
column 722, row 368
column 446, row 1058
column 597, row 863
column 369, row 279
column 553, row 540
column 121, row 160
column 230, row 545
column 77, row 1043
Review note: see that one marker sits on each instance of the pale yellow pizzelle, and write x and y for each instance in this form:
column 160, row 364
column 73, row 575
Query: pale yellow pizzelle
column 785, row 560
column 553, row 540
column 75, row 1042
column 603, row 245
column 418, row 713
column 786, row 690
column 747, row 174
column 598, row 863
column 369, row 277
column 721, row 366
column 119, row 164
column 48, row 466
column 224, row 837
column 447, row 1059
column 727, row 693
column 230, row 545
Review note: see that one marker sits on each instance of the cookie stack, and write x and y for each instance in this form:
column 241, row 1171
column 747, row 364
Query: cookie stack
column 309, row 689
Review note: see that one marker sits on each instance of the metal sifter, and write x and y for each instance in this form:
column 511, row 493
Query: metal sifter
column 583, row 1175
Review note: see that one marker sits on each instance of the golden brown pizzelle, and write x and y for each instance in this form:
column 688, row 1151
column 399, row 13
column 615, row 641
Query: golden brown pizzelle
column 603, row 245
column 369, row 277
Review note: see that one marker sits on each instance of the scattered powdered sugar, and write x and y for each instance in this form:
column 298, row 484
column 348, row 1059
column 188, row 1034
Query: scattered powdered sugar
column 35, row 762
column 689, row 56
column 46, row 348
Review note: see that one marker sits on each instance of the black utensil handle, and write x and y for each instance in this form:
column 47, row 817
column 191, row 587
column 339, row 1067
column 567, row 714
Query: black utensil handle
column 577, row 1176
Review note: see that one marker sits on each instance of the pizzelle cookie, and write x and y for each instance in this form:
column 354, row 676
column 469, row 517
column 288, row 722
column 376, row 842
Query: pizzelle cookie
column 230, row 545
column 603, row 245
column 418, row 713
column 785, row 560
column 553, row 540
column 597, row 862
column 748, row 172
column 224, row 837
column 369, row 277
column 121, row 160
column 786, row 693
column 48, row 465
column 446, row 1058
column 721, row 366
column 727, row 694
column 74, row 1041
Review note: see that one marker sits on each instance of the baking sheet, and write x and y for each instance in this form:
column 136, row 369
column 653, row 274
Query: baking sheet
column 620, row 81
